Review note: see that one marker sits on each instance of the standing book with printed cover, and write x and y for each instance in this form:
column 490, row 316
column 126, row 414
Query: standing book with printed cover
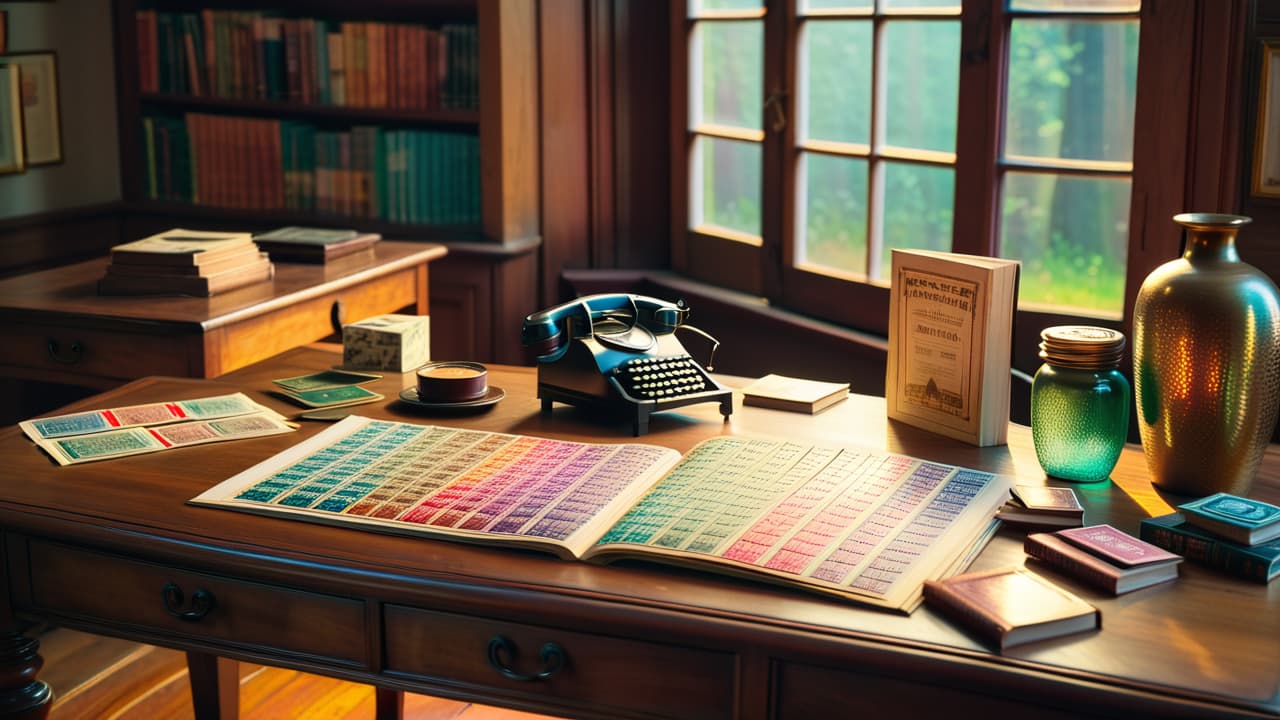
column 1099, row 571
column 1040, row 506
column 795, row 394
column 1235, row 518
column 950, row 342
column 1011, row 606
column 866, row 526
column 1259, row 563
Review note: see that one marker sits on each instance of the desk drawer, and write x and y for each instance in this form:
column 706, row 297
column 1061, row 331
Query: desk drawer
column 810, row 691
column 116, row 591
column 75, row 352
column 598, row 671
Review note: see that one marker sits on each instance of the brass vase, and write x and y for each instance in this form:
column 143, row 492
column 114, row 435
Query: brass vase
column 1206, row 362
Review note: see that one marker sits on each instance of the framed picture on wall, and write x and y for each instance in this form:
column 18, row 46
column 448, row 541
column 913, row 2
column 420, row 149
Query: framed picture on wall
column 41, row 124
column 1266, row 146
column 12, row 158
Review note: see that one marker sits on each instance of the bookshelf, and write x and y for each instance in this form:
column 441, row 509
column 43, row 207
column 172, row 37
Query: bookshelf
column 226, row 138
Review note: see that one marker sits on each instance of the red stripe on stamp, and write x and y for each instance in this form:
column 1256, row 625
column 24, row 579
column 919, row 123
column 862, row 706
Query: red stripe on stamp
column 111, row 418
column 175, row 409
column 157, row 436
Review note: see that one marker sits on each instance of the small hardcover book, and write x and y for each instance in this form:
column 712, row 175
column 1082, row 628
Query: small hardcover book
column 1072, row 560
column 1011, row 606
column 1116, row 547
column 796, row 394
column 950, row 340
column 1040, row 506
column 315, row 245
column 1260, row 563
column 1236, row 518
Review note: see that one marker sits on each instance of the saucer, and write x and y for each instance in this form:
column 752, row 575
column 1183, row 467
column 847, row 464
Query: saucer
column 409, row 396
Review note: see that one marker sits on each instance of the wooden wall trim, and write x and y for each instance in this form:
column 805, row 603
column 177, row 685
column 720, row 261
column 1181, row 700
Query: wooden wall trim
column 601, row 80
column 566, row 125
column 48, row 239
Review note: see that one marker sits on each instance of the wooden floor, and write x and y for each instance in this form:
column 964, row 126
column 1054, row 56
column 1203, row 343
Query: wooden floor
column 100, row 678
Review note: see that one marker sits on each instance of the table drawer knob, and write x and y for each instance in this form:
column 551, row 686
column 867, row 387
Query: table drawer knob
column 337, row 316
column 73, row 354
column 202, row 603
column 502, row 654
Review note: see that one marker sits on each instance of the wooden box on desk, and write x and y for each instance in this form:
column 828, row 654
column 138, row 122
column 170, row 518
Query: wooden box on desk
column 392, row 342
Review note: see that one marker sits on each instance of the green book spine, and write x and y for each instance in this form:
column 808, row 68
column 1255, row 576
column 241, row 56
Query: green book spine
column 149, row 146
column 222, row 51
column 473, row 187
column 289, row 163
column 1259, row 563
column 417, row 177
column 380, row 184
column 321, row 55
column 307, row 145
column 186, row 171
column 430, row 187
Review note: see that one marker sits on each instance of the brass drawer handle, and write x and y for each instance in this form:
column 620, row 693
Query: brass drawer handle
column 74, row 353
column 552, row 656
column 202, row 603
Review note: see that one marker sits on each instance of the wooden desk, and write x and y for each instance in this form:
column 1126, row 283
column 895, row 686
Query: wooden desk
column 91, row 547
column 58, row 329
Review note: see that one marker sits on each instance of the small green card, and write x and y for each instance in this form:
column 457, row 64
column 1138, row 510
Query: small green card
column 334, row 396
column 324, row 379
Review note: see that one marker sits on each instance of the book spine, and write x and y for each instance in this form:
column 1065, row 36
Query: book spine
column 962, row 612
column 1216, row 554
column 1069, row 565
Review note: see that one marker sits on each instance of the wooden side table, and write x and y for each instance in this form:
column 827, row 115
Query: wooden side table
column 59, row 330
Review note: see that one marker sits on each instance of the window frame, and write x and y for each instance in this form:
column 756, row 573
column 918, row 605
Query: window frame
column 1188, row 72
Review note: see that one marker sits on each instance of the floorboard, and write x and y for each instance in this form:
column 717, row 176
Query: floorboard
column 102, row 678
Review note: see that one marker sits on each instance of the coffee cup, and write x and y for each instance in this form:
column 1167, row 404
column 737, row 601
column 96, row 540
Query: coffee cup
column 452, row 382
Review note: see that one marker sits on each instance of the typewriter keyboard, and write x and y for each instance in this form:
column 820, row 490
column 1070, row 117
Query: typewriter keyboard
column 659, row 378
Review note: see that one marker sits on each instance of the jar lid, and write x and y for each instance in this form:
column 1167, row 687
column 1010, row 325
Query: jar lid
column 1082, row 346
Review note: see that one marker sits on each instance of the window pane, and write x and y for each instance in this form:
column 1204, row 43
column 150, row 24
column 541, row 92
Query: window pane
column 1080, row 6
column 833, row 208
column 806, row 5
column 1071, row 89
column 917, row 209
column 1071, row 234
column 836, row 78
column 730, row 58
column 932, row 4
column 726, row 183
column 923, row 75
column 697, row 7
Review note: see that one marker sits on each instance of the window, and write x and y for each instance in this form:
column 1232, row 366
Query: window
column 820, row 134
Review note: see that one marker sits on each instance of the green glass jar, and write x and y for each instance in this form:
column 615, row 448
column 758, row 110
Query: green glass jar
column 1080, row 402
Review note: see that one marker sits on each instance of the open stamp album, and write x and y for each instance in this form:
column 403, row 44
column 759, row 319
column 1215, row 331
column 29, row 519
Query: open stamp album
column 864, row 525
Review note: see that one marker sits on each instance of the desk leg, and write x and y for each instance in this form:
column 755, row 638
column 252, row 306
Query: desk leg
column 388, row 704
column 215, row 686
column 21, row 695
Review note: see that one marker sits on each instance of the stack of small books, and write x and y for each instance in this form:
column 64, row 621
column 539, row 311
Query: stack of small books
column 314, row 245
column 185, row 262
column 1228, row 532
column 1104, row 557
column 1037, row 506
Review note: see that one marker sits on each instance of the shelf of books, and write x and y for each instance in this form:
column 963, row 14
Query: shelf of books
column 280, row 110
